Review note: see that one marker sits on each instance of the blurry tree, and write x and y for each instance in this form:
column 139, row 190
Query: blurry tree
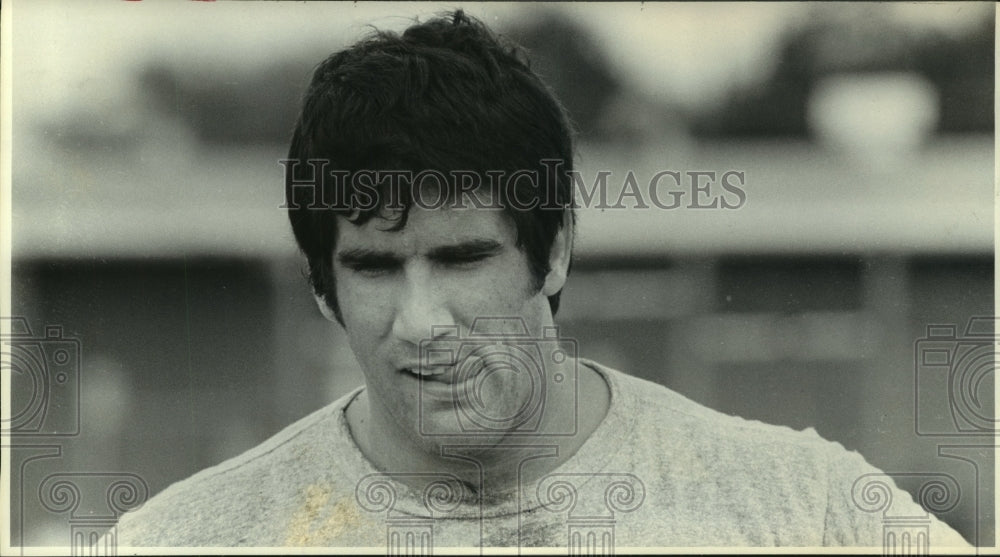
column 963, row 71
column 230, row 106
column 853, row 39
column 571, row 62
column 254, row 106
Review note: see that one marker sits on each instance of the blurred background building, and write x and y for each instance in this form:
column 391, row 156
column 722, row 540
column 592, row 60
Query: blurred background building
column 146, row 189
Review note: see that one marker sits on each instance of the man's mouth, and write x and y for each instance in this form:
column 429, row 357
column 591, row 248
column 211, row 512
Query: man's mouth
column 437, row 373
column 449, row 372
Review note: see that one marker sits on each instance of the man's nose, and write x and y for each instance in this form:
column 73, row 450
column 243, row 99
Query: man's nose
column 420, row 309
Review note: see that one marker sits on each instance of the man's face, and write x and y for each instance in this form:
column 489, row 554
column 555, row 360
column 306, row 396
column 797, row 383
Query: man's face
column 446, row 267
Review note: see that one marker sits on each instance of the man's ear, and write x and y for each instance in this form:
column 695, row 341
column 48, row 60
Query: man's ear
column 559, row 257
column 324, row 307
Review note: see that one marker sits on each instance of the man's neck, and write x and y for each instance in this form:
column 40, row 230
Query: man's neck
column 494, row 467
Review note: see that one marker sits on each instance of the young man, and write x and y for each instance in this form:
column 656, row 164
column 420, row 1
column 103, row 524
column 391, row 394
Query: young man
column 428, row 187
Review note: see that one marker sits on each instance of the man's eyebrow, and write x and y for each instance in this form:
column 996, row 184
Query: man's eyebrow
column 355, row 256
column 469, row 248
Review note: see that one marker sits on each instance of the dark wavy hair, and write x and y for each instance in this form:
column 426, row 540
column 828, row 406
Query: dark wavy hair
column 445, row 95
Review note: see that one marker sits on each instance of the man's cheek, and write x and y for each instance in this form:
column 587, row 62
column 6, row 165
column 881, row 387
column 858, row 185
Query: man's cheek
column 492, row 294
column 360, row 301
column 482, row 303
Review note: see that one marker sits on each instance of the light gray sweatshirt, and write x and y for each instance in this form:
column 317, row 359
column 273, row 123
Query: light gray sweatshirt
column 660, row 470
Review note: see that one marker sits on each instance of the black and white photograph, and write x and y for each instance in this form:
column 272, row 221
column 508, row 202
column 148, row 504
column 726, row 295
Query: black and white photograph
column 422, row 278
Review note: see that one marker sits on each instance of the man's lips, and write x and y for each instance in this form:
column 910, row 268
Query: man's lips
column 450, row 373
column 443, row 374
